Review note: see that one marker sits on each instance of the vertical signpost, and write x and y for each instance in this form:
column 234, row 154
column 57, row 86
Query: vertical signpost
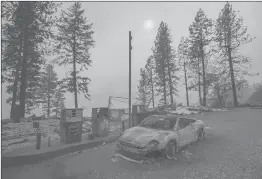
column 129, row 106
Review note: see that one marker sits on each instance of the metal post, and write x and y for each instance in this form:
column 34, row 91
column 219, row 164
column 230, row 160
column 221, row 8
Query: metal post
column 38, row 139
column 130, row 48
column 49, row 141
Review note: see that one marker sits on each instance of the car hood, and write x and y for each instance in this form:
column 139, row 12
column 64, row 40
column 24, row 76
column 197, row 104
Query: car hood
column 141, row 136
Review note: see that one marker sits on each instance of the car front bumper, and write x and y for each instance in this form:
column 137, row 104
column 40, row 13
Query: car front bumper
column 137, row 155
column 132, row 157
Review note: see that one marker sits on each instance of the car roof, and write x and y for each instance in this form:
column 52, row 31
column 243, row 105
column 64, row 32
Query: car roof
column 164, row 116
column 170, row 115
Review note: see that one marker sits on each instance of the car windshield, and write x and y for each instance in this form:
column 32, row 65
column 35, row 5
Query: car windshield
column 159, row 122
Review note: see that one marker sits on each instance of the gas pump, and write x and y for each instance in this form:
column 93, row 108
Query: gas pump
column 100, row 122
column 71, row 125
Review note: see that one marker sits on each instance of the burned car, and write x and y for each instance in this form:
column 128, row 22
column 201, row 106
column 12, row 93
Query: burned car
column 161, row 134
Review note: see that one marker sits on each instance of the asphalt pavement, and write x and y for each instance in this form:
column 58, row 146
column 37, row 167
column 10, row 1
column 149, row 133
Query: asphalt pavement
column 232, row 149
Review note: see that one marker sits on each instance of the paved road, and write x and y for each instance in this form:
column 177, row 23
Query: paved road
column 232, row 149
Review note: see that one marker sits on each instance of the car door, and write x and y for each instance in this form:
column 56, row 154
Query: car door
column 194, row 130
column 190, row 130
column 184, row 131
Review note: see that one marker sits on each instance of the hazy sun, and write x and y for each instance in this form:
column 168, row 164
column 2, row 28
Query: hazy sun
column 148, row 25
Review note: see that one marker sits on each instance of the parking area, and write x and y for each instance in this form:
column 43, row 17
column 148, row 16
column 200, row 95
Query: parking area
column 232, row 149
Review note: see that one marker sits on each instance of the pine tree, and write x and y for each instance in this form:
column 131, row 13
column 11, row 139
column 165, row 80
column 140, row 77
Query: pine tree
column 143, row 88
column 49, row 81
column 35, row 64
column 29, row 25
column 160, row 64
column 220, row 81
column 183, row 53
column 58, row 102
column 150, row 73
column 34, row 83
column 194, row 76
column 36, row 22
column 230, row 34
column 74, row 40
column 166, row 67
column 201, row 35
column 52, row 96
column 11, row 51
column 219, row 86
column 173, row 79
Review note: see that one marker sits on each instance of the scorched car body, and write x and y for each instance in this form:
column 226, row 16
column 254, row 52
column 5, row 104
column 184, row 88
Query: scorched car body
column 159, row 133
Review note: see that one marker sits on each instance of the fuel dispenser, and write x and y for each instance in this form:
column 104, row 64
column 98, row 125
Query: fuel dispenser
column 71, row 125
column 100, row 122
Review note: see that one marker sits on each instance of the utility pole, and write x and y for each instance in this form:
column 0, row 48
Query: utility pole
column 109, row 106
column 109, row 111
column 48, row 90
column 130, row 48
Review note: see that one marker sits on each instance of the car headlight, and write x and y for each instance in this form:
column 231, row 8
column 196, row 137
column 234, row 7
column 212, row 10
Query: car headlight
column 152, row 145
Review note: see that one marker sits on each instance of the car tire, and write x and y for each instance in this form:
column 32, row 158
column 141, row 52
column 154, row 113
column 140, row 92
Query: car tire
column 201, row 134
column 170, row 150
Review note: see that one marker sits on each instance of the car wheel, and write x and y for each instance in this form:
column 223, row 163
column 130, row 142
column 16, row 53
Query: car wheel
column 170, row 150
column 201, row 134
